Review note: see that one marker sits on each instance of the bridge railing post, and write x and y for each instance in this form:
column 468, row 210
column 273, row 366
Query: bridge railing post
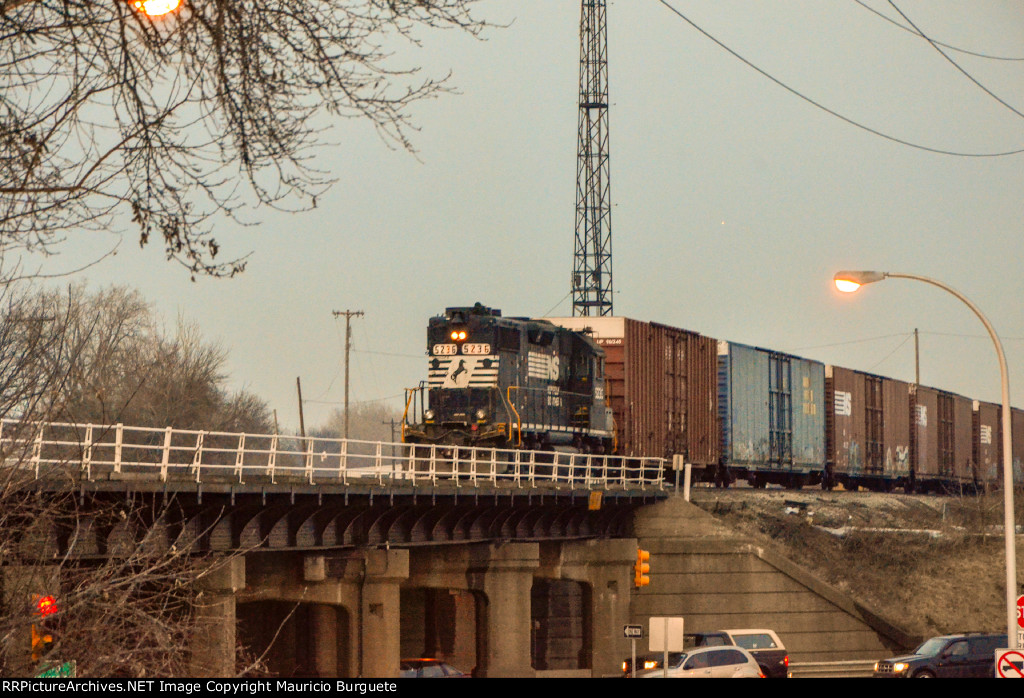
column 272, row 459
column 309, row 460
column 118, row 445
column 240, row 459
column 165, row 457
column 87, row 456
column 37, row 449
column 197, row 457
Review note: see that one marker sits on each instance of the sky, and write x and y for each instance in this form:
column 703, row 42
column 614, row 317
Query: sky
column 734, row 199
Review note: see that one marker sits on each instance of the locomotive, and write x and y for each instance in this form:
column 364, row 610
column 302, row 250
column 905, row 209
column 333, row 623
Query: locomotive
column 510, row 382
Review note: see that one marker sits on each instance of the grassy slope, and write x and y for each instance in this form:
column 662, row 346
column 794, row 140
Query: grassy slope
column 927, row 584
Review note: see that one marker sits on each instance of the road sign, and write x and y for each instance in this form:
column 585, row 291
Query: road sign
column 1020, row 611
column 633, row 631
column 1009, row 664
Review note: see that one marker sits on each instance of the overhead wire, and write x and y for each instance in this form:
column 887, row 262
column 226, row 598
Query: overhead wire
column 889, row 355
column 956, row 65
column 916, row 32
column 827, row 110
column 855, row 341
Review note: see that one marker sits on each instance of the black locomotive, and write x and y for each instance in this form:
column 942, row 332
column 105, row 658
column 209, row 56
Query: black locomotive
column 504, row 382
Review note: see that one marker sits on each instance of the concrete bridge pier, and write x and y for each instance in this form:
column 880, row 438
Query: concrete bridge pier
column 499, row 576
column 213, row 649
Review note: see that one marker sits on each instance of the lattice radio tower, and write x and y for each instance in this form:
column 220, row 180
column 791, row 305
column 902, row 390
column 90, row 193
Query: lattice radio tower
column 592, row 262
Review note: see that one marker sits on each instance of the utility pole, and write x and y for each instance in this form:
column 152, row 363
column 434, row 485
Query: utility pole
column 592, row 261
column 349, row 314
column 917, row 360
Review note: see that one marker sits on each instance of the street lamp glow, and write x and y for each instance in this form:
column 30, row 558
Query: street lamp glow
column 157, row 8
column 850, row 281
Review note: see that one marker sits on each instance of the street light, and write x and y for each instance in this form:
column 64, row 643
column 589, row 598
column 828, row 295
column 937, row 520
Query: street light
column 849, row 282
column 156, row 8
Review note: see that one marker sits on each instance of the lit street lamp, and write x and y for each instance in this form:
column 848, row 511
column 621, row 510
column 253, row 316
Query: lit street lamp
column 850, row 281
column 156, row 8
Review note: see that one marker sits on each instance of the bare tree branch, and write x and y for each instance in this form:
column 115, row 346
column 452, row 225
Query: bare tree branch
column 107, row 114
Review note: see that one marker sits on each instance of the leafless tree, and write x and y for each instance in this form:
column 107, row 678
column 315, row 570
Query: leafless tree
column 107, row 114
column 125, row 369
column 368, row 421
column 123, row 569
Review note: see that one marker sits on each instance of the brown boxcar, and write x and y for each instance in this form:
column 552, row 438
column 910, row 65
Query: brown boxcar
column 660, row 382
column 942, row 446
column 988, row 444
column 867, row 437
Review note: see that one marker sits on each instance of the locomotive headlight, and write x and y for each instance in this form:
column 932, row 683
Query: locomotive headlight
column 458, row 335
column 428, row 415
column 480, row 415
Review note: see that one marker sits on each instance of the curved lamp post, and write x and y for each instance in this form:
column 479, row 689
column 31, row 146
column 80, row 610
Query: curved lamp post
column 849, row 282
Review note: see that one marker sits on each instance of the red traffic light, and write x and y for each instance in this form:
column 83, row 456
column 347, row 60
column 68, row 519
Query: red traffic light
column 45, row 605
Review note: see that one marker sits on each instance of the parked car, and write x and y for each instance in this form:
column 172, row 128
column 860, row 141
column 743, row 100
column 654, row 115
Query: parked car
column 961, row 656
column 429, row 669
column 766, row 647
column 652, row 660
column 721, row 662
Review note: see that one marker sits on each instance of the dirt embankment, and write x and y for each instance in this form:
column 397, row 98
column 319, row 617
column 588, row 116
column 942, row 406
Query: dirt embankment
column 929, row 564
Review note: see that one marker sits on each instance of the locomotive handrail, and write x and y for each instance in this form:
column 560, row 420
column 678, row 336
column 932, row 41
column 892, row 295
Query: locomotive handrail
column 519, row 421
column 123, row 452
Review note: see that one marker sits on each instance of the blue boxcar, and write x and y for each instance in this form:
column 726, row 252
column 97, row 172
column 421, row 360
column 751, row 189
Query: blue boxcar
column 772, row 415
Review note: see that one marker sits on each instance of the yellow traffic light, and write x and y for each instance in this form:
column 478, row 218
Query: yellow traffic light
column 641, row 568
column 41, row 643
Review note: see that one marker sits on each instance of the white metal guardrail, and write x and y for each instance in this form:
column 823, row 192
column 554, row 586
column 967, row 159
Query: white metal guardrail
column 832, row 670
column 99, row 451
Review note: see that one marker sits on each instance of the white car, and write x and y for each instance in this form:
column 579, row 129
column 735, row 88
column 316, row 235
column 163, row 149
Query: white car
column 709, row 663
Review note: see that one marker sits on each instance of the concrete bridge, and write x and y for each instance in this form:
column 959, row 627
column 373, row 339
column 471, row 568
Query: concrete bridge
column 339, row 558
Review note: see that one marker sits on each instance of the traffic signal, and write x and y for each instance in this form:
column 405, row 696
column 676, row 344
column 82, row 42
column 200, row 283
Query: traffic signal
column 641, row 567
column 44, row 608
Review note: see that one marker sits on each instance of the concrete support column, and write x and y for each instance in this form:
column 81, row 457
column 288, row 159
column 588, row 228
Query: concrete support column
column 503, row 576
column 380, row 632
column 324, row 635
column 606, row 567
column 213, row 646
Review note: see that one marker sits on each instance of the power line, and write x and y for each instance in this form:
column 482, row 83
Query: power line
column 853, row 341
column 886, row 357
column 829, row 111
column 956, row 65
column 915, row 32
